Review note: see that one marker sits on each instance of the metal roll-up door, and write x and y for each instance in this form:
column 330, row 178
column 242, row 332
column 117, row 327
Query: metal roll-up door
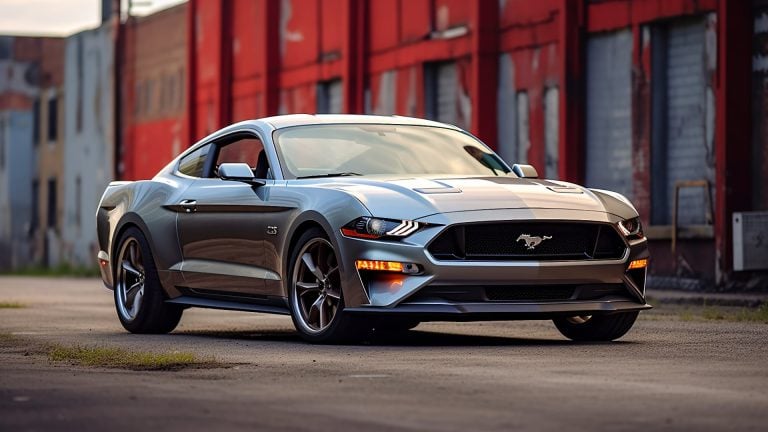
column 689, row 121
column 447, row 84
column 609, row 112
column 329, row 97
column 760, row 106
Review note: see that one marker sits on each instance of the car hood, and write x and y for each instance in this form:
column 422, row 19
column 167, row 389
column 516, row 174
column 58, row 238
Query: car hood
column 414, row 198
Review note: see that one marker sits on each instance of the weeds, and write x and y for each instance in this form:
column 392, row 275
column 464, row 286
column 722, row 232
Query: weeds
column 124, row 359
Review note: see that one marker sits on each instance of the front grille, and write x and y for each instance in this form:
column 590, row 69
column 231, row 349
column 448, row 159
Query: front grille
column 508, row 241
column 505, row 293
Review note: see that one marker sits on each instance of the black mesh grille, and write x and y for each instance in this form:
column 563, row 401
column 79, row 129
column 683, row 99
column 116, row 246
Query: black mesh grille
column 511, row 293
column 528, row 241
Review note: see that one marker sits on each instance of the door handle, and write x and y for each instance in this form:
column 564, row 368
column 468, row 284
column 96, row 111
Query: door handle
column 189, row 205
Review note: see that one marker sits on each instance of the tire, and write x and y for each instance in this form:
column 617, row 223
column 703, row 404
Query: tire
column 315, row 295
column 139, row 296
column 597, row 327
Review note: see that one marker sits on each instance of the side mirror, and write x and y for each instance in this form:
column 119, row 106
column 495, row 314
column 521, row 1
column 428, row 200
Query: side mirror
column 525, row 171
column 238, row 172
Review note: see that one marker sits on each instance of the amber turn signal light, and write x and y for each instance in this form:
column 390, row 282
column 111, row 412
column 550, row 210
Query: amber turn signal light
column 392, row 266
column 638, row 264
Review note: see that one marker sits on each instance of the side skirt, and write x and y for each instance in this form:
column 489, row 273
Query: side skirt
column 228, row 305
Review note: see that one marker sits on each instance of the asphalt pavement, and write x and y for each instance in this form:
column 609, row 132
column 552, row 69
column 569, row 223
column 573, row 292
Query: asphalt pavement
column 668, row 373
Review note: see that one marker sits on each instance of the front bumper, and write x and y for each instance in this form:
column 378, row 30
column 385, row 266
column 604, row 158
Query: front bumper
column 385, row 293
column 105, row 269
column 446, row 311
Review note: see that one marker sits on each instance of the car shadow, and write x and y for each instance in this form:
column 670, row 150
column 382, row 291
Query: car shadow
column 411, row 338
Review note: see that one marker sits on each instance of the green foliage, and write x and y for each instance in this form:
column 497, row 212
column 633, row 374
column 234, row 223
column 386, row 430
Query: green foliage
column 58, row 271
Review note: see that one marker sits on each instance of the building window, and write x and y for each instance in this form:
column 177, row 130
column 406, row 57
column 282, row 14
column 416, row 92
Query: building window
column 80, row 84
column 2, row 142
column 52, row 198
column 36, row 122
column 35, row 207
column 53, row 118
column 78, row 201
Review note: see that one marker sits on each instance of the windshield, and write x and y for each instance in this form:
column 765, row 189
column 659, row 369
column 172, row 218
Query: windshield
column 368, row 149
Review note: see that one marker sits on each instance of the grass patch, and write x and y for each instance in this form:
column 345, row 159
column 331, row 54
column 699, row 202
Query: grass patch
column 123, row 359
column 57, row 271
column 687, row 315
column 11, row 305
column 725, row 313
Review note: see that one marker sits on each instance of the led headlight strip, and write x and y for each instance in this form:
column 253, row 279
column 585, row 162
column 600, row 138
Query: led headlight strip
column 405, row 228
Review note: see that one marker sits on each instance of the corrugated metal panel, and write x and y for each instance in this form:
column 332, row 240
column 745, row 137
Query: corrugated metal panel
column 523, row 127
column 386, row 93
column 329, row 97
column 609, row 112
column 551, row 130
column 760, row 109
column 447, row 82
column 506, row 110
column 689, row 152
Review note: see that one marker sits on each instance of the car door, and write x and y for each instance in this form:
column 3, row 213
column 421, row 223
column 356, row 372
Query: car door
column 221, row 225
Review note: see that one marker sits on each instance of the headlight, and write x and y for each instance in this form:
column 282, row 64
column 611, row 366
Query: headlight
column 631, row 228
column 375, row 228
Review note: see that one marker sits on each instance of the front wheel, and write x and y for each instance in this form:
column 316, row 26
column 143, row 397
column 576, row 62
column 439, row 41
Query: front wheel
column 596, row 327
column 315, row 295
column 139, row 297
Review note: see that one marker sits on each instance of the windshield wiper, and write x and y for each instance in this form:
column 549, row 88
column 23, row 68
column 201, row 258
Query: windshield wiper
column 339, row 174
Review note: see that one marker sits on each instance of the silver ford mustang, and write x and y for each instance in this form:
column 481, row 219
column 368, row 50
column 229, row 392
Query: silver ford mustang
column 353, row 224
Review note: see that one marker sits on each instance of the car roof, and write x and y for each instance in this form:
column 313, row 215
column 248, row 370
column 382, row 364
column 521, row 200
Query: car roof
column 289, row 120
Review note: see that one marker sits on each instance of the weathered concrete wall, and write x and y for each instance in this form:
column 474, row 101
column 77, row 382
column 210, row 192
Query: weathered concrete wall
column 16, row 172
column 27, row 64
column 89, row 138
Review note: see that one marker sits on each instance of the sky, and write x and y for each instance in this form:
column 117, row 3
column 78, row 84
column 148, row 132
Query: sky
column 60, row 17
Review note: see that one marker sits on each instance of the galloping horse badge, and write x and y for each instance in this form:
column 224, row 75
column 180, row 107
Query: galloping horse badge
column 532, row 241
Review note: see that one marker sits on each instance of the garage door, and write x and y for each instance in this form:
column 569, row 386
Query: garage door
column 329, row 97
column 687, row 135
column 609, row 112
column 760, row 107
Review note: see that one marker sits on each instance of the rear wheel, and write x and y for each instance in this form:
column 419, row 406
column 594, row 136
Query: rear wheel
column 596, row 327
column 139, row 297
column 315, row 295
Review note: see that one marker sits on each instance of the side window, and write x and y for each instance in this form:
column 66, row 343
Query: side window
column 194, row 163
column 248, row 150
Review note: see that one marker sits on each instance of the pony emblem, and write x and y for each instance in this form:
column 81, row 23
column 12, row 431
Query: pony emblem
column 532, row 241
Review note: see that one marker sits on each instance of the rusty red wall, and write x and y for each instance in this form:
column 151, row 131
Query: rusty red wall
column 154, row 116
column 259, row 58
